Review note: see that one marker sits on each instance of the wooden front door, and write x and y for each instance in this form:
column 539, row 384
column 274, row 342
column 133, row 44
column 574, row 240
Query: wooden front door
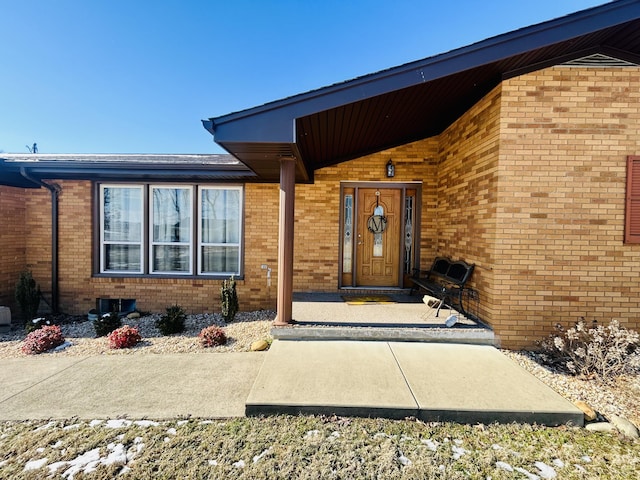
column 379, row 226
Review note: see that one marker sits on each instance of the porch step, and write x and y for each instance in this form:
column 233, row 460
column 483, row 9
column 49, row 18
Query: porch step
column 461, row 335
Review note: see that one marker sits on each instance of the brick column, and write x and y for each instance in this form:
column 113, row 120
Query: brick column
column 285, row 240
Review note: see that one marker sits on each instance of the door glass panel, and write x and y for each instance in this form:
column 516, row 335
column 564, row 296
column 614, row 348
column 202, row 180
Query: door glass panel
column 347, row 245
column 377, row 238
column 408, row 233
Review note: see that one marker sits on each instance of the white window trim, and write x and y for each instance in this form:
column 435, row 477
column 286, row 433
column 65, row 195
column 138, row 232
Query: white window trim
column 102, row 240
column 152, row 243
column 240, row 231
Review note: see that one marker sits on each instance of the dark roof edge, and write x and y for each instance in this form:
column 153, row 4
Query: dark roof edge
column 558, row 23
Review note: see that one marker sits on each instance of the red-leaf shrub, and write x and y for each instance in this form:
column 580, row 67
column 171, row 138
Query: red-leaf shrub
column 124, row 337
column 43, row 339
column 212, row 336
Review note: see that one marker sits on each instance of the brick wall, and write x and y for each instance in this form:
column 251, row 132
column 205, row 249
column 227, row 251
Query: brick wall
column 565, row 136
column 12, row 244
column 317, row 229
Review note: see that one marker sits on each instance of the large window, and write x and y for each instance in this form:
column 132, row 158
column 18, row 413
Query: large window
column 170, row 229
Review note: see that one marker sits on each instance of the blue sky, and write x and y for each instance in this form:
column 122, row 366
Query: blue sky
column 137, row 76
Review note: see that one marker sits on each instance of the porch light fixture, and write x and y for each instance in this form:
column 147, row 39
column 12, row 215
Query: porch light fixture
column 391, row 169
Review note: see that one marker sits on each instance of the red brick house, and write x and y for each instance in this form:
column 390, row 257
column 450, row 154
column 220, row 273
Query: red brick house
column 518, row 154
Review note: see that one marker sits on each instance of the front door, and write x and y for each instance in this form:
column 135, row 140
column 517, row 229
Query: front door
column 379, row 228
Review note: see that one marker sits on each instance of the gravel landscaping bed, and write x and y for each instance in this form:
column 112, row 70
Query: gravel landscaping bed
column 241, row 333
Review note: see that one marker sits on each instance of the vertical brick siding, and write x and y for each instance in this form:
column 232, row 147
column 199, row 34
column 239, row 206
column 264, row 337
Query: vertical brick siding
column 12, row 244
column 565, row 136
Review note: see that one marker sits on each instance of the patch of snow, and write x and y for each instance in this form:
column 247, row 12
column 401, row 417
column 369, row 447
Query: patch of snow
column 586, row 459
column 405, row 438
column 3, row 463
column 172, row 431
column 558, row 463
column 458, row 442
column 87, row 462
column 504, row 466
column 45, row 427
column 545, row 470
column 495, row 446
column 335, row 434
column 182, row 422
column 312, row 433
column 124, row 470
column 212, row 463
column 35, row 464
column 118, row 423
column 404, row 460
column 62, row 346
column 116, row 456
column 146, row 423
column 458, row 452
column 40, row 449
column 206, row 422
column 71, row 427
column 379, row 435
column 527, row 474
column 431, row 445
column 257, row 458
column 239, row 464
column 95, row 423
column 54, row 467
column 580, row 468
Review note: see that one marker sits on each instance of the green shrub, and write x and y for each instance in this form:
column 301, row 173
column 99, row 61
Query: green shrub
column 106, row 324
column 212, row 336
column 599, row 351
column 229, row 300
column 35, row 324
column 172, row 321
column 27, row 295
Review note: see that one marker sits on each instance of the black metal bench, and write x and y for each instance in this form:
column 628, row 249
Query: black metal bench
column 445, row 280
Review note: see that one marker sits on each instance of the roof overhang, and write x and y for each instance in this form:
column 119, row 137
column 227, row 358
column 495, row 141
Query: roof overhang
column 115, row 167
column 416, row 100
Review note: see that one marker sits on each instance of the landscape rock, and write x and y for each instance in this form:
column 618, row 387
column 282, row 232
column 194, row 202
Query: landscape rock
column 601, row 427
column 589, row 413
column 625, row 427
column 259, row 345
column 133, row 315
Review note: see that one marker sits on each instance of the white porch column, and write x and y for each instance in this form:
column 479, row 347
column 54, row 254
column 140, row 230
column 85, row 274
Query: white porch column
column 285, row 240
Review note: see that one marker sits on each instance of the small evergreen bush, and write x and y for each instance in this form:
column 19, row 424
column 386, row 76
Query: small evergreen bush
column 124, row 337
column 106, row 324
column 35, row 324
column 229, row 300
column 27, row 295
column 172, row 321
column 602, row 351
column 42, row 339
column 212, row 336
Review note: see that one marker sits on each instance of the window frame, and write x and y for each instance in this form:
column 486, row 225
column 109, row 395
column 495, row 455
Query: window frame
column 146, row 244
column 201, row 244
column 103, row 242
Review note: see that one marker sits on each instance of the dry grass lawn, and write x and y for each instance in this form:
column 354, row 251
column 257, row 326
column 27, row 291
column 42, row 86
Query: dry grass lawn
column 308, row 447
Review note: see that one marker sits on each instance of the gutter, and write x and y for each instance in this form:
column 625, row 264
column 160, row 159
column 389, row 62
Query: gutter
column 55, row 190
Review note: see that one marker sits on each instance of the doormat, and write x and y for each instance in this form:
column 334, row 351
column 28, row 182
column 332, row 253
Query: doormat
column 367, row 299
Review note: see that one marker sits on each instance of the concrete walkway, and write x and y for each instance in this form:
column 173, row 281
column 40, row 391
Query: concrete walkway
column 431, row 381
column 465, row 383
column 206, row 385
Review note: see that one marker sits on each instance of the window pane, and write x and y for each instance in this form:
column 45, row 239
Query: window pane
column 220, row 212
column 122, row 207
column 172, row 215
column 171, row 258
column 220, row 260
column 122, row 258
